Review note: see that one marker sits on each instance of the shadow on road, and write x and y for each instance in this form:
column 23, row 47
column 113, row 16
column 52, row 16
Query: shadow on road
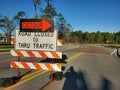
column 74, row 80
column 106, row 84
column 8, row 81
column 78, row 81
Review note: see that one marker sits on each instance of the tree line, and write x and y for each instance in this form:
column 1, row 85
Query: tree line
column 65, row 29
column 95, row 37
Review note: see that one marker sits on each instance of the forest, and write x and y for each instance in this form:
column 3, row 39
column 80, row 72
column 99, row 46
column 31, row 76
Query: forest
column 65, row 30
column 95, row 37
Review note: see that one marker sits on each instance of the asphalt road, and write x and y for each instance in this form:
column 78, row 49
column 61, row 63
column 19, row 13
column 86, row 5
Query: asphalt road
column 96, row 69
column 91, row 72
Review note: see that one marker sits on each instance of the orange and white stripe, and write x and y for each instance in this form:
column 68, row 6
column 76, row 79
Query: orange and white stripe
column 39, row 54
column 34, row 65
column 12, row 40
column 59, row 42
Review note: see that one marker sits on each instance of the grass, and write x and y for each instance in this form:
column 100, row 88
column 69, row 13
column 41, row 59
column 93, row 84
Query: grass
column 4, row 51
column 111, row 45
column 5, row 47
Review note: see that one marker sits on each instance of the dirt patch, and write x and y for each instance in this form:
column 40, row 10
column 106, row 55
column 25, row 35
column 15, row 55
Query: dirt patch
column 89, row 49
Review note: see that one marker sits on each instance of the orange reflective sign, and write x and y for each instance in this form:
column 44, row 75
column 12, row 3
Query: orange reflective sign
column 36, row 25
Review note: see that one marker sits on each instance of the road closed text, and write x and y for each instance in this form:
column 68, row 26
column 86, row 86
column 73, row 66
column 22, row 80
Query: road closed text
column 46, row 41
column 36, row 34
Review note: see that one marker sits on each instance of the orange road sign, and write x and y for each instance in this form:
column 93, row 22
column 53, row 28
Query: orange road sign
column 36, row 25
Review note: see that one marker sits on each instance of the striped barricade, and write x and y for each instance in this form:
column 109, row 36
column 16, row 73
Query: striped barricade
column 59, row 42
column 39, row 54
column 12, row 40
column 34, row 65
